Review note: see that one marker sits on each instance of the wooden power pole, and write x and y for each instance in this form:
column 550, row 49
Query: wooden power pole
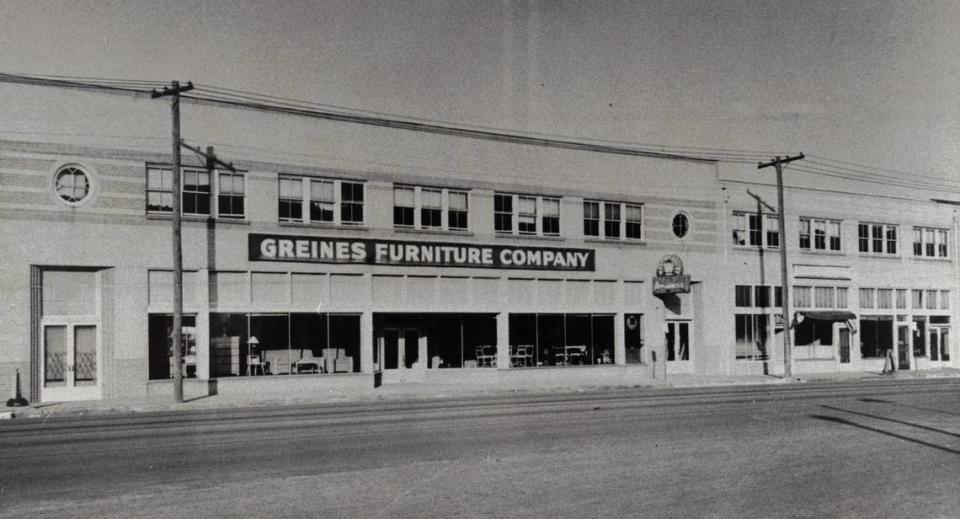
column 174, row 93
column 778, row 163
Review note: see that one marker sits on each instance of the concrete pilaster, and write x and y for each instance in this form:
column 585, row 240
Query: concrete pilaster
column 503, row 340
column 619, row 350
column 366, row 342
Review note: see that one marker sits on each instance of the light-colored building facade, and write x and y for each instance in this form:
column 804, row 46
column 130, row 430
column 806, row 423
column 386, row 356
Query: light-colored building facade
column 537, row 266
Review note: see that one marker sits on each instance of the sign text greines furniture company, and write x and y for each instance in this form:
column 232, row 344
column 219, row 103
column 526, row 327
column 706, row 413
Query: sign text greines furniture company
column 313, row 249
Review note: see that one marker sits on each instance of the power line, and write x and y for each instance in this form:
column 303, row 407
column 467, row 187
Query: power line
column 221, row 96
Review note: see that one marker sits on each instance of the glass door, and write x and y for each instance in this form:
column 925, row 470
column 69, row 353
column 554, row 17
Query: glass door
column 71, row 362
column 939, row 344
column 678, row 346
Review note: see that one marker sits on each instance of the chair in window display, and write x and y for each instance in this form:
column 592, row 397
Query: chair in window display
column 522, row 355
column 335, row 360
column 486, row 357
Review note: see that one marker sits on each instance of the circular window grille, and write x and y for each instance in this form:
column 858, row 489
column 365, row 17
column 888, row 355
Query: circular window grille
column 680, row 225
column 72, row 184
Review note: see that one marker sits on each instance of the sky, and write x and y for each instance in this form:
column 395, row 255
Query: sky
column 870, row 82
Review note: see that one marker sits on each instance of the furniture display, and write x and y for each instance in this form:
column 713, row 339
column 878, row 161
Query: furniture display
column 335, row 360
column 306, row 362
column 255, row 364
column 522, row 355
column 567, row 354
column 225, row 354
column 486, row 356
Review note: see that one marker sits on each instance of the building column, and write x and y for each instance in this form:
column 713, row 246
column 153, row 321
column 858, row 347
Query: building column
column 366, row 342
column 619, row 348
column 503, row 340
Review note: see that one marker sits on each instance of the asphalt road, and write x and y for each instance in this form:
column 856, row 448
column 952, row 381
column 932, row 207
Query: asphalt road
column 878, row 449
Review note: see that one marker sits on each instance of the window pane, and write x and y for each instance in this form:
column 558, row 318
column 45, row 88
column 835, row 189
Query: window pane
column 841, row 297
column 551, row 207
column 431, row 198
column 823, row 297
column 884, row 298
column 743, row 293
column 503, row 203
column 291, row 188
column 321, row 190
column 527, row 205
column 403, row 196
column 458, row 201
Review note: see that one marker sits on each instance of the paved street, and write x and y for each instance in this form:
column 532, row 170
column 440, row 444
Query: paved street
column 871, row 449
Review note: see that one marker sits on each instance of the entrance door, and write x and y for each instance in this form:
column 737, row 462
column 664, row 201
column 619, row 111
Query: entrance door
column 401, row 352
column 678, row 345
column 903, row 347
column 71, row 362
column 939, row 344
column 844, row 345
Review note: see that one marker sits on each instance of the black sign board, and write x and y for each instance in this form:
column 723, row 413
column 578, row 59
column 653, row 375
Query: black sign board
column 314, row 249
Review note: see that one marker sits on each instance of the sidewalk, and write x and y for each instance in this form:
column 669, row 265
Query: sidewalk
column 429, row 392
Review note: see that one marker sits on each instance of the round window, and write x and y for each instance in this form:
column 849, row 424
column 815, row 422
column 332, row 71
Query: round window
column 680, row 225
column 72, row 184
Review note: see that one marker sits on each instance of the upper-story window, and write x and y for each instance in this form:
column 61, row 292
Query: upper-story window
column 72, row 184
column 819, row 234
column 931, row 243
column 756, row 230
column 618, row 220
column 526, row 214
column 230, row 197
column 432, row 204
column 314, row 200
column 877, row 238
column 224, row 198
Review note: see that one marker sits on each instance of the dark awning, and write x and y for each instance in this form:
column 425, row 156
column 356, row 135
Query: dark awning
column 828, row 315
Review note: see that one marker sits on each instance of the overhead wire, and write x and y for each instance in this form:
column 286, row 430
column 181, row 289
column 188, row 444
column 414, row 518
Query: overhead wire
column 815, row 164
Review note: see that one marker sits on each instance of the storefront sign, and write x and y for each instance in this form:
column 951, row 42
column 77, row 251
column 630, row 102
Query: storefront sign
column 670, row 278
column 310, row 249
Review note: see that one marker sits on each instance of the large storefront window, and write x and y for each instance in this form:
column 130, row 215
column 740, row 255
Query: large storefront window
column 413, row 341
column 876, row 336
column 283, row 344
column 561, row 339
column 160, row 346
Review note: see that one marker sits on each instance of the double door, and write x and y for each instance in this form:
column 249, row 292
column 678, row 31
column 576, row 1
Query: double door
column 70, row 363
column 679, row 337
column 398, row 351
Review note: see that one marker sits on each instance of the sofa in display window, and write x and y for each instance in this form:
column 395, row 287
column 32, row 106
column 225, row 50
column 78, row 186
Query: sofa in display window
column 335, row 360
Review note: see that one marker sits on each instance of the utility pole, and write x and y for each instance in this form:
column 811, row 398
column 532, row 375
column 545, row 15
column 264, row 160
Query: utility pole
column 174, row 91
column 778, row 163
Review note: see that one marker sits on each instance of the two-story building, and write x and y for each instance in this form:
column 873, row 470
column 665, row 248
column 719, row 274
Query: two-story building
column 491, row 263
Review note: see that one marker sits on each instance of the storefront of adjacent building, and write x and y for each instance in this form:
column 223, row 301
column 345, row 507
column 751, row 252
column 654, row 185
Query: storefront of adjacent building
column 301, row 278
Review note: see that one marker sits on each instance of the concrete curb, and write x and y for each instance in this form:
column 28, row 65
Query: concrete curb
column 429, row 392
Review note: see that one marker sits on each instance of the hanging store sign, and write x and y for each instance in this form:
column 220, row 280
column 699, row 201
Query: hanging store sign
column 310, row 249
column 670, row 278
